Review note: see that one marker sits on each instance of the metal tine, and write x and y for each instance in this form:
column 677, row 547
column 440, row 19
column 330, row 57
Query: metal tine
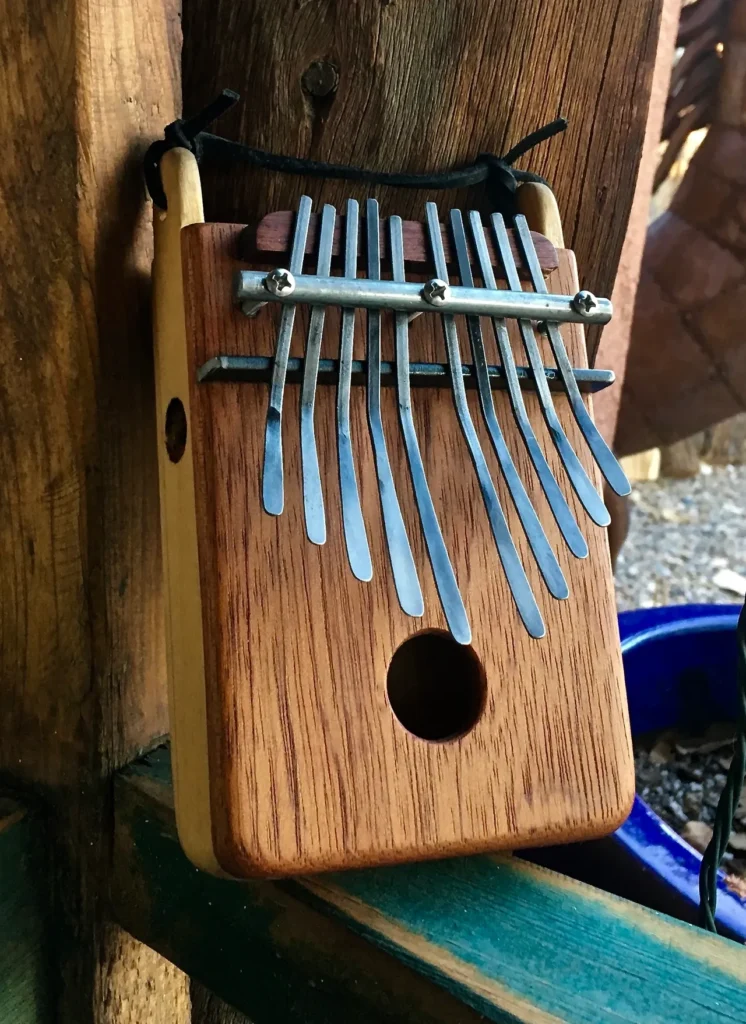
column 445, row 579
column 358, row 552
column 402, row 564
column 557, row 501
column 313, row 496
column 607, row 462
column 519, row 585
column 591, row 500
column 545, row 557
column 273, row 489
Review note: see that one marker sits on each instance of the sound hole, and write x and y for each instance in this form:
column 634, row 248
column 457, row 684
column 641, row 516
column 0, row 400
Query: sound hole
column 436, row 686
column 176, row 430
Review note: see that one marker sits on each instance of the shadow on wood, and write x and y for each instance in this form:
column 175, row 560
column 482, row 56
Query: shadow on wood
column 26, row 995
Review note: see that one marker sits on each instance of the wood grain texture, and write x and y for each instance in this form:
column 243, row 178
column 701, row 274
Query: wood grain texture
column 309, row 769
column 273, row 235
column 84, row 87
column 79, row 597
column 428, row 87
column 26, row 994
column 612, row 350
column 139, row 986
column 207, row 1008
column 452, row 942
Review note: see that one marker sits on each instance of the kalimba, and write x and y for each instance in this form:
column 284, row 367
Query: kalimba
column 391, row 621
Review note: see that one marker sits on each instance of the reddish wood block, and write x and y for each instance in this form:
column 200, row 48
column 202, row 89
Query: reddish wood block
column 273, row 237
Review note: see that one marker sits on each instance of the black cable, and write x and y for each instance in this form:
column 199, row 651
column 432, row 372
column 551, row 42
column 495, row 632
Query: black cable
column 713, row 855
column 189, row 133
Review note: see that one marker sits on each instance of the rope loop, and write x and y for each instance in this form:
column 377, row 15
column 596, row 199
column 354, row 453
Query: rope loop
column 189, row 133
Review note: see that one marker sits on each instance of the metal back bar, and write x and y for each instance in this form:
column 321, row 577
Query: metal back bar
column 409, row 297
column 258, row 370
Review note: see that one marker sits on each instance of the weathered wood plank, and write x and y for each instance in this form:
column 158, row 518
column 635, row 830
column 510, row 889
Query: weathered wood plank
column 260, row 947
column 445, row 941
column 84, row 87
column 25, row 993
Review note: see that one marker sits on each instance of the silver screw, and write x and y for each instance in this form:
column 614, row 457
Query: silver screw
column 584, row 302
column 436, row 292
column 279, row 282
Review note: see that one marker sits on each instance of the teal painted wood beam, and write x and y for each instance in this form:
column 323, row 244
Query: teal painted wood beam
column 25, row 996
column 456, row 940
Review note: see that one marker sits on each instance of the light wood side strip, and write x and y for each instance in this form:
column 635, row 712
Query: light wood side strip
column 184, row 642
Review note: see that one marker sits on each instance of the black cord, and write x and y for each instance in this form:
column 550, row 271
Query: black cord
column 713, row 855
column 189, row 134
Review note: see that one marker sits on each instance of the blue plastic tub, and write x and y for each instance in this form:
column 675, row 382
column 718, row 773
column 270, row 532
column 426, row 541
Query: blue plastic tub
column 678, row 661
column 662, row 649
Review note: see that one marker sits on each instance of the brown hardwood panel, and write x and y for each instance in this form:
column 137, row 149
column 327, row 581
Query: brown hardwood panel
column 309, row 769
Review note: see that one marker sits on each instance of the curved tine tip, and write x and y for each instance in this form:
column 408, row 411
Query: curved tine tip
column 317, row 538
column 536, row 630
column 462, row 635
column 362, row 571
column 412, row 604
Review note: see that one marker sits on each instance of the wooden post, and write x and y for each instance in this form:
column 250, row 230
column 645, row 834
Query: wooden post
column 425, row 86
column 83, row 88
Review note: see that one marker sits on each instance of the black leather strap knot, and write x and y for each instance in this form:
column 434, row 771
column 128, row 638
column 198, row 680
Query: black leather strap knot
column 501, row 177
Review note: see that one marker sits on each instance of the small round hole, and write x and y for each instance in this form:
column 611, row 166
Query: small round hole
column 436, row 686
column 176, row 430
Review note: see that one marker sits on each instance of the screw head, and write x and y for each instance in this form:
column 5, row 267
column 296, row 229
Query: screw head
column 279, row 282
column 584, row 302
column 436, row 292
column 320, row 79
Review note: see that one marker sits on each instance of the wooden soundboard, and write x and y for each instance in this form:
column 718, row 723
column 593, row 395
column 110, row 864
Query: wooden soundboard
column 288, row 757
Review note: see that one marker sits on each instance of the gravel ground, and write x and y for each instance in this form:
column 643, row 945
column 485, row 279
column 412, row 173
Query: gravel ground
column 682, row 533
column 681, row 777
